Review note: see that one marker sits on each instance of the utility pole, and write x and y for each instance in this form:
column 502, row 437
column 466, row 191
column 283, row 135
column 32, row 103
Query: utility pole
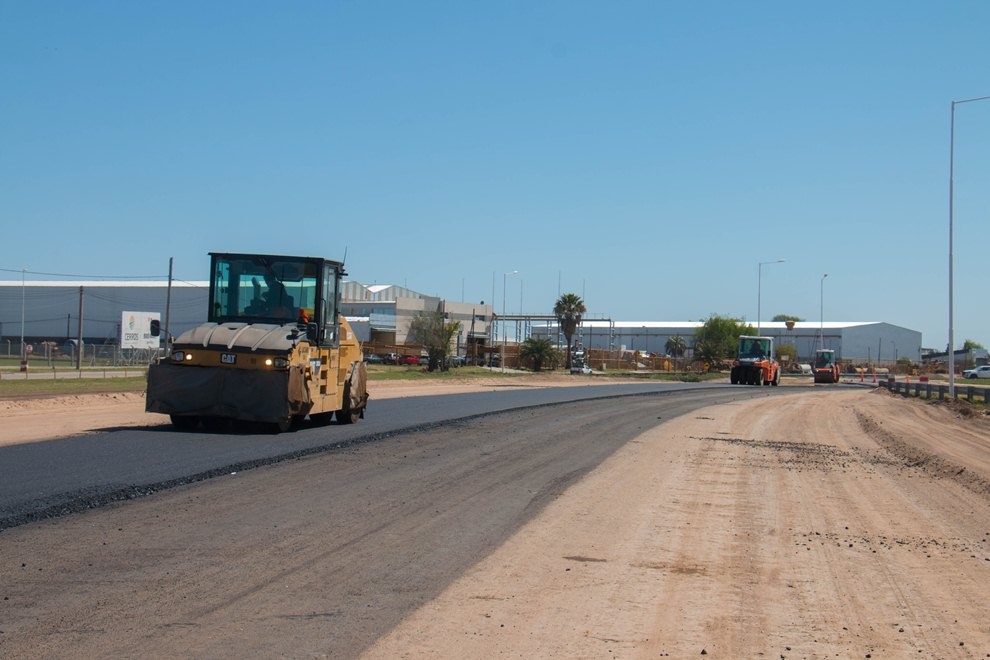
column 79, row 334
column 168, row 307
column 821, row 313
column 501, row 360
column 952, row 159
column 23, row 285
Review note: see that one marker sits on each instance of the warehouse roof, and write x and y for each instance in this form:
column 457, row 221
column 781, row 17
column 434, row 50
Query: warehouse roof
column 772, row 325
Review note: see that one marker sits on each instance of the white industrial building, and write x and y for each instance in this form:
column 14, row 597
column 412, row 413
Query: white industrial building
column 381, row 313
column 48, row 311
column 863, row 341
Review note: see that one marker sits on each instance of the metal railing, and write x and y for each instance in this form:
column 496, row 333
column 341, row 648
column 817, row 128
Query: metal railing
column 928, row 390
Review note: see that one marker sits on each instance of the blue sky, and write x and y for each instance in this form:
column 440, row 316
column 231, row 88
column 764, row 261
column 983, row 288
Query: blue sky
column 647, row 155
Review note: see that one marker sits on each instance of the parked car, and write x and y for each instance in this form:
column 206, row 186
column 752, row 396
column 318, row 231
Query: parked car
column 407, row 359
column 373, row 358
column 390, row 358
column 978, row 372
column 424, row 360
column 457, row 360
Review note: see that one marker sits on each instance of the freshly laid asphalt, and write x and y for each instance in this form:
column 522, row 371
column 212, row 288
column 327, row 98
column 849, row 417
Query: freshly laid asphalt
column 56, row 477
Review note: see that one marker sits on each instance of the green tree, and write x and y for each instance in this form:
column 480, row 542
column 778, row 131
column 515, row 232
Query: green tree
column 675, row 346
column 717, row 339
column 969, row 345
column 786, row 350
column 435, row 333
column 541, row 351
column 786, row 317
column 569, row 310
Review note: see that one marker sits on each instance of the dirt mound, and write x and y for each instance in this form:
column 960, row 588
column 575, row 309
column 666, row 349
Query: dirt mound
column 916, row 457
column 962, row 408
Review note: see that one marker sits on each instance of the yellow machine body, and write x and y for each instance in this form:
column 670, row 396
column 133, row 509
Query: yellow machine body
column 273, row 352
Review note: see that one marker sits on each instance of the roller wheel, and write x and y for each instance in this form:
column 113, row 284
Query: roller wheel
column 355, row 394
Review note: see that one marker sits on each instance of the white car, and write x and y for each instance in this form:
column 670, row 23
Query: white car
column 978, row 372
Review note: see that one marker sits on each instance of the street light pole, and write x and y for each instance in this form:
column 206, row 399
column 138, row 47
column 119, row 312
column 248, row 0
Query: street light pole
column 821, row 313
column 952, row 150
column 759, row 288
column 501, row 361
column 520, row 325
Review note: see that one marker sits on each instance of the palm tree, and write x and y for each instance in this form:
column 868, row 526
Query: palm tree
column 541, row 351
column 569, row 310
column 675, row 346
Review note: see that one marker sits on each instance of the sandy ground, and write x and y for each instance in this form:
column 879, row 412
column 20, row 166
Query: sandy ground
column 830, row 523
column 840, row 524
column 28, row 420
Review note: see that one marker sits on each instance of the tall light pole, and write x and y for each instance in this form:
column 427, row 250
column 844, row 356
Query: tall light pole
column 520, row 325
column 759, row 288
column 501, row 361
column 952, row 150
column 821, row 313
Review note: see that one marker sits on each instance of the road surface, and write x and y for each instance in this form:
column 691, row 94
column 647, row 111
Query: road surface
column 826, row 522
column 77, row 472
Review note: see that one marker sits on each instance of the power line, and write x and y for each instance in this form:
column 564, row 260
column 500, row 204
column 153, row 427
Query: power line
column 64, row 318
column 96, row 277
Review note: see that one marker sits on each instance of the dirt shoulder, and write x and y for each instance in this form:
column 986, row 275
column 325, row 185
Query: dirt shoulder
column 782, row 527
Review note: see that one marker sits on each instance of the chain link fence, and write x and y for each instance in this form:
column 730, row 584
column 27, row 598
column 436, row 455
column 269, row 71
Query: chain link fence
column 53, row 355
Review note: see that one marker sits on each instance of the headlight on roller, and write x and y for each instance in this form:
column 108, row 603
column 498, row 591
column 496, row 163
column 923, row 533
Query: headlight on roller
column 179, row 356
column 278, row 363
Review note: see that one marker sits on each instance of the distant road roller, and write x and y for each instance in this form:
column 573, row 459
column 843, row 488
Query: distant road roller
column 755, row 364
column 274, row 349
column 824, row 366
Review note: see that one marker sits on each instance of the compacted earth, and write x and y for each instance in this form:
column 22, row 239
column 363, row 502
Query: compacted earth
column 828, row 523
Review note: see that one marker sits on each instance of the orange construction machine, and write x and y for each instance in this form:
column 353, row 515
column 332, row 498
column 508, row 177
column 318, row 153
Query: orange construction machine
column 755, row 364
column 824, row 366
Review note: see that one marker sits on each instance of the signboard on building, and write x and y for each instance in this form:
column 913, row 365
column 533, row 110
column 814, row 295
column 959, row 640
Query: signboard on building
column 135, row 329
